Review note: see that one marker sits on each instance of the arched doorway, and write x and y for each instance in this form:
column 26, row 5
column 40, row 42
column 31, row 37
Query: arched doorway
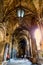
column 22, row 47
column 6, row 51
column 21, row 37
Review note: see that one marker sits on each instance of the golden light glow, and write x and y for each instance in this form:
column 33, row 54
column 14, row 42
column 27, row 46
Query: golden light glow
column 37, row 35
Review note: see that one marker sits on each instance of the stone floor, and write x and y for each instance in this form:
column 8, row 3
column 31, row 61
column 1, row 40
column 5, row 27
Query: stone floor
column 19, row 62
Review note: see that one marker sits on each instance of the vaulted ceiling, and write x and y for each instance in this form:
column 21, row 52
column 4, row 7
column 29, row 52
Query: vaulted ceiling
column 9, row 7
column 8, row 15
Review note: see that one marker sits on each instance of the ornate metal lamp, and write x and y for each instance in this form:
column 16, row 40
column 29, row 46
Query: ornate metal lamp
column 20, row 12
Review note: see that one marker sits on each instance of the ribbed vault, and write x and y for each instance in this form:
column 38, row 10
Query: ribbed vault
column 17, row 27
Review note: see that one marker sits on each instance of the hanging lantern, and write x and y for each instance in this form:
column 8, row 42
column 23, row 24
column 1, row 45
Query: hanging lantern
column 20, row 13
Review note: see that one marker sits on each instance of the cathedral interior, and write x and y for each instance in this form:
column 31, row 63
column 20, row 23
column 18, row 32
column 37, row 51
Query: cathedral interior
column 21, row 28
